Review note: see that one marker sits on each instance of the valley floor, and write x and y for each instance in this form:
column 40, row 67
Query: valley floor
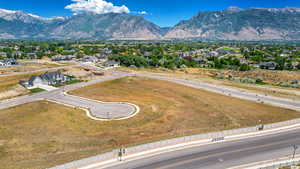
column 44, row 134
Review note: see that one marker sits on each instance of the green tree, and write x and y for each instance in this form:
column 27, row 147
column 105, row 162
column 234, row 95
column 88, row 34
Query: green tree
column 244, row 67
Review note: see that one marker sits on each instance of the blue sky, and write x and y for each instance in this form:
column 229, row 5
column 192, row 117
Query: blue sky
column 160, row 12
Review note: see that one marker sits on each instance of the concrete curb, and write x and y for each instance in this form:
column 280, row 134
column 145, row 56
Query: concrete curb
column 191, row 144
column 170, row 147
column 270, row 163
column 84, row 109
column 89, row 114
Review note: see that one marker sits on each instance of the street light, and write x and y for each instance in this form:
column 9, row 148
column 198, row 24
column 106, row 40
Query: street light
column 121, row 153
column 260, row 126
column 295, row 147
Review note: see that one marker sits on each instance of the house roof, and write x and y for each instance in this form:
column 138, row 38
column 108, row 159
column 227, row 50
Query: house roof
column 32, row 78
column 50, row 76
column 268, row 63
column 112, row 62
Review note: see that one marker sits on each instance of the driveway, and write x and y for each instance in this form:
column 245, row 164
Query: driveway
column 46, row 87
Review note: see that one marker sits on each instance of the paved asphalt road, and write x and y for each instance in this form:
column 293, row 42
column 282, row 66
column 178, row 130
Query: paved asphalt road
column 221, row 155
column 97, row 109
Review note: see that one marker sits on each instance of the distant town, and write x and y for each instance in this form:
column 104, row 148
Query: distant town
column 171, row 55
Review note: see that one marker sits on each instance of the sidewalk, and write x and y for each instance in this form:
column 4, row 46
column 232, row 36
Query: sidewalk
column 147, row 150
column 271, row 164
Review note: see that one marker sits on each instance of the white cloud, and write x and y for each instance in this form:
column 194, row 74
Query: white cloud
column 95, row 6
column 143, row 13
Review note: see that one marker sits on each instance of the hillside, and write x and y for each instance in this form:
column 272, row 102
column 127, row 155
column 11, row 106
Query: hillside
column 21, row 25
column 230, row 24
column 241, row 24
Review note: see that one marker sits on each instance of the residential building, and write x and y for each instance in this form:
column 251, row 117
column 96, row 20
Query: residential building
column 8, row 62
column 91, row 59
column 3, row 55
column 200, row 60
column 268, row 65
column 63, row 57
column 112, row 63
column 48, row 78
column 31, row 55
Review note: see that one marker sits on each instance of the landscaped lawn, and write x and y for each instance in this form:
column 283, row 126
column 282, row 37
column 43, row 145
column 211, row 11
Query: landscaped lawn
column 36, row 90
column 44, row 134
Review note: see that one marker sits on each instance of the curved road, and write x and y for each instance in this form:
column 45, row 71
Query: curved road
column 97, row 110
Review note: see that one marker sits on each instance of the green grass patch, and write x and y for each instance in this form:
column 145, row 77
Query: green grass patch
column 37, row 90
column 57, row 85
column 73, row 82
column 227, row 49
column 261, row 83
column 67, row 83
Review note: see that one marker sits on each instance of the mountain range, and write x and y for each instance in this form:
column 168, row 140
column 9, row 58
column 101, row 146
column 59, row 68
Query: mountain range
column 230, row 24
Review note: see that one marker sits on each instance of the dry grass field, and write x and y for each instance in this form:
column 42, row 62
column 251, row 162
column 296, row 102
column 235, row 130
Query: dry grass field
column 43, row 134
column 83, row 73
column 9, row 86
column 206, row 75
column 272, row 77
column 37, row 65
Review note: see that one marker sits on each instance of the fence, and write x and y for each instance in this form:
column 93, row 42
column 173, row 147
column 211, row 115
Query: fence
column 215, row 136
column 276, row 165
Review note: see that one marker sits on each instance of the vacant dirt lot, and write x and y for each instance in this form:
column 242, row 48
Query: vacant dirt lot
column 269, row 76
column 9, row 86
column 43, row 134
column 176, row 102
column 83, row 73
column 206, row 75
column 31, row 66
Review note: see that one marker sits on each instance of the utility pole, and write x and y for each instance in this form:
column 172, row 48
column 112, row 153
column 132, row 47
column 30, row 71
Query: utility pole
column 121, row 153
column 260, row 126
column 295, row 147
column 108, row 115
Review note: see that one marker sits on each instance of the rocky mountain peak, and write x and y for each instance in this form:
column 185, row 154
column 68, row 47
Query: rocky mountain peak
column 230, row 24
column 233, row 9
